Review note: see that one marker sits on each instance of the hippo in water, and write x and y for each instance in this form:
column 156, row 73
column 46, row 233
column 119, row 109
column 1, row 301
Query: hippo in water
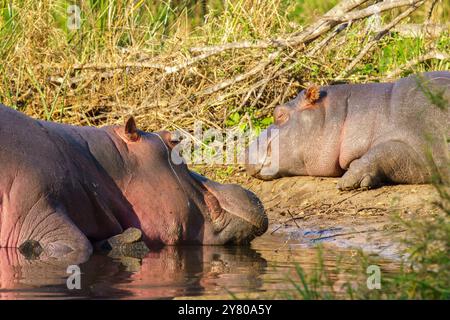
column 367, row 133
column 63, row 188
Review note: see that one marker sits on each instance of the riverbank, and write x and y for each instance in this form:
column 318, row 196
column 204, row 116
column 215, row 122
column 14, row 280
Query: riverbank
column 311, row 210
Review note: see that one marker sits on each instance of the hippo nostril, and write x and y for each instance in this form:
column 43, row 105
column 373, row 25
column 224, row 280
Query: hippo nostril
column 269, row 150
column 280, row 115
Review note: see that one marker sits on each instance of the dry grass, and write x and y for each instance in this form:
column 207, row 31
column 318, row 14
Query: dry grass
column 135, row 58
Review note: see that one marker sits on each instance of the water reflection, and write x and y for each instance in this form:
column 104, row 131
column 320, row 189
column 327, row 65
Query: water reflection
column 167, row 273
column 175, row 272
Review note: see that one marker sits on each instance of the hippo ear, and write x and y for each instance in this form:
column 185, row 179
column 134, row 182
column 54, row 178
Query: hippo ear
column 312, row 94
column 131, row 131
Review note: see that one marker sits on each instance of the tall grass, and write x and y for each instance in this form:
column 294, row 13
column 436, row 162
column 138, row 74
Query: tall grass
column 39, row 53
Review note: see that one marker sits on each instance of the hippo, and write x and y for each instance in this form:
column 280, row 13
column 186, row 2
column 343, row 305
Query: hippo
column 64, row 188
column 367, row 134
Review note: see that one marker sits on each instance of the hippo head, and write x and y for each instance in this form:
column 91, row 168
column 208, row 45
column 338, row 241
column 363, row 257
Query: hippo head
column 175, row 205
column 283, row 148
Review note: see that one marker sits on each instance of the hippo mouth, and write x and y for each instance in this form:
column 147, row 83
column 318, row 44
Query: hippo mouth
column 233, row 207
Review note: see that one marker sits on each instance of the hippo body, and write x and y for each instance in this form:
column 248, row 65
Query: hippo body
column 66, row 187
column 367, row 133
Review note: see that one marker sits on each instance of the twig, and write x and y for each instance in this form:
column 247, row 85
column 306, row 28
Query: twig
column 342, row 234
column 327, row 39
column 293, row 219
column 312, row 32
column 228, row 82
column 188, row 62
column 298, row 218
column 276, row 229
column 346, row 198
column 431, row 55
column 124, row 65
column 144, row 65
column 267, row 80
column 377, row 38
column 374, row 9
column 257, row 44
column 371, row 208
column 430, row 13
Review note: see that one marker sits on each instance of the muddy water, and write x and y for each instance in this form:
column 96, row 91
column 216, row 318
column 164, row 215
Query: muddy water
column 209, row 272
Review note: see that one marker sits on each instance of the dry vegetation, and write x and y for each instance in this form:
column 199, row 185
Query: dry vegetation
column 169, row 66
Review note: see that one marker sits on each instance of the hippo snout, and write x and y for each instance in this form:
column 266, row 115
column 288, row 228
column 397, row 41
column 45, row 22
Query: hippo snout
column 241, row 203
column 259, row 161
column 237, row 208
column 253, row 161
column 253, row 169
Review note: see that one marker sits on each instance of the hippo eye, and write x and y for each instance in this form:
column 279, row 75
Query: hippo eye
column 170, row 139
column 175, row 140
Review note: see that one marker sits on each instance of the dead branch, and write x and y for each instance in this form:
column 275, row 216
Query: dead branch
column 311, row 32
column 337, row 15
column 327, row 39
column 144, row 65
column 415, row 30
column 430, row 12
column 377, row 38
column 124, row 65
column 228, row 82
column 375, row 9
column 431, row 55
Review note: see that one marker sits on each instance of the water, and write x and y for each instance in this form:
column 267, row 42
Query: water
column 195, row 271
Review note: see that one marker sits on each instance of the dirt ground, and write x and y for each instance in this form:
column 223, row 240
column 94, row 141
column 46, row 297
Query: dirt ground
column 312, row 209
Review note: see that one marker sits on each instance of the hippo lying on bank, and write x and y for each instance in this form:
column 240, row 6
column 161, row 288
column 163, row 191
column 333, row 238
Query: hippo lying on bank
column 64, row 187
column 369, row 133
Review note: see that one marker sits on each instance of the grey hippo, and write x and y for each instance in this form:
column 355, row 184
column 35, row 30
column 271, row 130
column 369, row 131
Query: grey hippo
column 369, row 134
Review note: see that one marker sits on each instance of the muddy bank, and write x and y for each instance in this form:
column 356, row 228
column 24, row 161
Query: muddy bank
column 311, row 210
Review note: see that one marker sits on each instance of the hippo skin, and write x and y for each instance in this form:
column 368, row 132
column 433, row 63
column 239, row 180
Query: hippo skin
column 64, row 188
column 367, row 133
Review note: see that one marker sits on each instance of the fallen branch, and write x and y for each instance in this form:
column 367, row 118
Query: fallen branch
column 377, row 38
column 343, row 234
column 228, row 82
column 313, row 31
column 337, row 15
column 327, row 39
column 431, row 55
column 124, row 65
column 414, row 30
column 374, row 9
column 293, row 219
column 144, row 65
column 430, row 12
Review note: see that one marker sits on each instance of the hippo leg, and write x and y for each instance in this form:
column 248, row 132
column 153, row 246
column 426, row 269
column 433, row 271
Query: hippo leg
column 391, row 161
column 55, row 235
